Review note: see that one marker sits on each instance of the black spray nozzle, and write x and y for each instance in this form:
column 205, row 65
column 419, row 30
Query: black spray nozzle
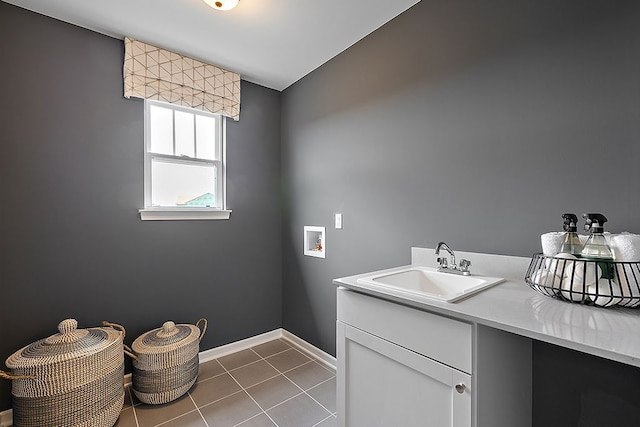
column 594, row 222
column 570, row 222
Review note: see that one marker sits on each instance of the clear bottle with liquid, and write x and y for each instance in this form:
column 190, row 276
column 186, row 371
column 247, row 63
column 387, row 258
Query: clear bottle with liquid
column 571, row 244
column 596, row 246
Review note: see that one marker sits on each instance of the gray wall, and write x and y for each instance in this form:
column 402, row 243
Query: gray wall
column 453, row 122
column 71, row 182
column 476, row 123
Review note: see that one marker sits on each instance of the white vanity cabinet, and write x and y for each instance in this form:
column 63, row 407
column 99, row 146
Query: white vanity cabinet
column 402, row 366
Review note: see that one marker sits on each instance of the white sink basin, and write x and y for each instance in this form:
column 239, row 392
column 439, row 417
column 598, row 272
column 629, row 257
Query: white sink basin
column 427, row 282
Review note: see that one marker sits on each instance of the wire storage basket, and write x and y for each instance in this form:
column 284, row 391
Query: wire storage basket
column 166, row 361
column 593, row 282
column 74, row 378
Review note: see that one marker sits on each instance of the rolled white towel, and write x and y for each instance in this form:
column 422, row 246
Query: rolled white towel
column 627, row 277
column 547, row 279
column 625, row 246
column 573, row 290
column 561, row 264
column 571, row 267
column 551, row 242
column 579, row 276
column 586, row 271
column 608, row 293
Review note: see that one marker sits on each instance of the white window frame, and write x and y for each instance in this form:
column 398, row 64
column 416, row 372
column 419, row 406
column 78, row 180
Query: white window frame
column 150, row 212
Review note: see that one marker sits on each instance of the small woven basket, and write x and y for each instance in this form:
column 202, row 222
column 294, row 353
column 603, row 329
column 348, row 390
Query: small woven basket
column 165, row 361
column 74, row 378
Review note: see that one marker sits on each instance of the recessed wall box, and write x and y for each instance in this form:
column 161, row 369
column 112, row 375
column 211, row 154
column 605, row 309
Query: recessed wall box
column 314, row 241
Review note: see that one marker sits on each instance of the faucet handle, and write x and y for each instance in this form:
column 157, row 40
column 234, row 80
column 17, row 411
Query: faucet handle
column 464, row 264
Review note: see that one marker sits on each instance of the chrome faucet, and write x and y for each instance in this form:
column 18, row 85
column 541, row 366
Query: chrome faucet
column 452, row 267
column 443, row 261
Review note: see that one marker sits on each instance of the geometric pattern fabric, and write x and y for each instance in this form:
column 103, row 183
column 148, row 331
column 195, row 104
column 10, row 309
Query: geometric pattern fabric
column 154, row 73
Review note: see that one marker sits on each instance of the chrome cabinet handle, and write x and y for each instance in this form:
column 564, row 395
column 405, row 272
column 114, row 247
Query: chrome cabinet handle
column 460, row 388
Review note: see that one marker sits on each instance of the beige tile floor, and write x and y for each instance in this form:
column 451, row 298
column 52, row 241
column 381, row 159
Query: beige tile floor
column 272, row 384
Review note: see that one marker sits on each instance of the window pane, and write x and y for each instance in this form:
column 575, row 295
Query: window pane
column 184, row 134
column 177, row 184
column 161, row 127
column 206, row 137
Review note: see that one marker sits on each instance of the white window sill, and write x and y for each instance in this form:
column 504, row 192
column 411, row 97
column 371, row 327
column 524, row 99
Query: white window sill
column 180, row 214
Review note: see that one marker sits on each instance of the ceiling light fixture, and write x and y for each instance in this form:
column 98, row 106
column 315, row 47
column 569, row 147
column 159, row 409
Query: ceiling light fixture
column 222, row 4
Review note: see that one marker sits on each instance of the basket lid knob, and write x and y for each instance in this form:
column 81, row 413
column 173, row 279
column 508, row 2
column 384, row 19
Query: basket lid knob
column 168, row 329
column 67, row 326
column 67, row 332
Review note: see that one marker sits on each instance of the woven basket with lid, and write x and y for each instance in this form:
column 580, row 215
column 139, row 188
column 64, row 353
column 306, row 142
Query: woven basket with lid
column 74, row 378
column 165, row 361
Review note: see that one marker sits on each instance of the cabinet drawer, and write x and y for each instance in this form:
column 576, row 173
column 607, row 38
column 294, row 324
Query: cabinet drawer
column 445, row 340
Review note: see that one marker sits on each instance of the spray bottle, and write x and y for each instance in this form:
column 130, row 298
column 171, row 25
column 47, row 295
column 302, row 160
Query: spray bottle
column 571, row 244
column 596, row 247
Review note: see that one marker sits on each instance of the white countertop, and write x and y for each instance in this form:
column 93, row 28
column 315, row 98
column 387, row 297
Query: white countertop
column 612, row 333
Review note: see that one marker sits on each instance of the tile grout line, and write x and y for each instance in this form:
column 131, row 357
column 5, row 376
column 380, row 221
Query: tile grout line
column 243, row 389
column 254, row 401
column 222, row 398
column 243, row 366
column 320, row 383
column 274, row 354
column 321, row 421
column 299, row 394
column 210, row 378
column 133, row 407
column 283, row 373
column 198, row 409
column 175, row 418
column 247, row 364
column 286, row 400
column 303, row 391
column 249, row 419
column 135, row 415
column 235, row 369
column 247, row 393
column 290, row 347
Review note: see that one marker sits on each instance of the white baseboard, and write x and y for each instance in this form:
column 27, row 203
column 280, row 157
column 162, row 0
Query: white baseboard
column 223, row 350
column 301, row 344
column 6, row 417
column 310, row 349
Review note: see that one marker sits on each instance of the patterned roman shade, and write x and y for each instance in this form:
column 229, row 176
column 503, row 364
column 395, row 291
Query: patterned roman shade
column 154, row 73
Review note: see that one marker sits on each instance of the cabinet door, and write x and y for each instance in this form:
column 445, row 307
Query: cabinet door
column 383, row 384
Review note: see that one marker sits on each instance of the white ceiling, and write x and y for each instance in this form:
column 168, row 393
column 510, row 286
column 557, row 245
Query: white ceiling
column 270, row 42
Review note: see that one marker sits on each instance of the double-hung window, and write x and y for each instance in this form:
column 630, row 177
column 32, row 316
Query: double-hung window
column 184, row 168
